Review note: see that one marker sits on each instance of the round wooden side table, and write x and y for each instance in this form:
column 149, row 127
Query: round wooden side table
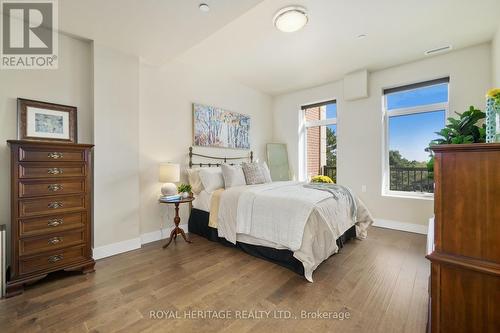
column 177, row 230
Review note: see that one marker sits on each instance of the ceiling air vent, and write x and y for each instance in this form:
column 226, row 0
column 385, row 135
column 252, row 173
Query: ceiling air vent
column 438, row 50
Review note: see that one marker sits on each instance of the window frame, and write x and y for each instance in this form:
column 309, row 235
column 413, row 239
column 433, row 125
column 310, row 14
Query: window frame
column 316, row 123
column 387, row 114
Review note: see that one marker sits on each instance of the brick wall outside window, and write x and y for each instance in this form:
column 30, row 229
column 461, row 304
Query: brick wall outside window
column 316, row 139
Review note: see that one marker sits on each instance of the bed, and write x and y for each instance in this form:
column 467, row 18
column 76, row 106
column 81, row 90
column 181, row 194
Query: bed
column 292, row 224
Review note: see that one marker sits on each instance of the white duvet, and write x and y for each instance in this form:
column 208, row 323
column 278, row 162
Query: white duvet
column 285, row 215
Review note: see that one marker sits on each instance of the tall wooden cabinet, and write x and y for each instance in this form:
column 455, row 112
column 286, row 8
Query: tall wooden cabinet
column 51, row 210
column 465, row 264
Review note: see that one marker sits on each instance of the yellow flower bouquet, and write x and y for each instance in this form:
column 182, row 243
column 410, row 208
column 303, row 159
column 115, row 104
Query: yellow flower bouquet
column 493, row 93
column 322, row 179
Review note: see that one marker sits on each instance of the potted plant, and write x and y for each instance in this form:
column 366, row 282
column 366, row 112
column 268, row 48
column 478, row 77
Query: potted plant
column 184, row 190
column 465, row 129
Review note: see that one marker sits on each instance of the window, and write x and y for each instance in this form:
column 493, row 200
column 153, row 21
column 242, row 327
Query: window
column 321, row 139
column 412, row 114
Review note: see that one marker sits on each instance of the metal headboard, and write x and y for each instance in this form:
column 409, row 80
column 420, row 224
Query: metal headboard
column 222, row 159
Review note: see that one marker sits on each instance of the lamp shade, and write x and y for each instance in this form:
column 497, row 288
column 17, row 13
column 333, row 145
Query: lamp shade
column 169, row 172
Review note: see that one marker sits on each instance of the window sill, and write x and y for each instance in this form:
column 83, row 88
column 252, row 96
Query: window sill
column 409, row 195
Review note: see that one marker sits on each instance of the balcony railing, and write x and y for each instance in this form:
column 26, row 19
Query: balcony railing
column 411, row 180
column 402, row 179
column 330, row 171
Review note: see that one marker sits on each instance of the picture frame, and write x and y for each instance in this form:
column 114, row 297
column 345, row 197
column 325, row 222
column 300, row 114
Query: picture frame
column 219, row 128
column 43, row 121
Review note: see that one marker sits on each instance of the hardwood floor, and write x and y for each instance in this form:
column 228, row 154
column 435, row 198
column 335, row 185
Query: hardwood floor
column 381, row 282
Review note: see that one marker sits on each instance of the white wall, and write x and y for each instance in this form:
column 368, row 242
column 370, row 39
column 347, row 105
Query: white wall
column 70, row 84
column 496, row 59
column 104, row 85
column 166, row 130
column 139, row 115
column 116, row 152
column 360, row 125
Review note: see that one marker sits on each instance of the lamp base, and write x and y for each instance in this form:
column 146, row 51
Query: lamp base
column 169, row 189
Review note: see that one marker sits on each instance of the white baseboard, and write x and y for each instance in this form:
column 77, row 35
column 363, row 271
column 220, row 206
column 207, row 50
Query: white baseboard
column 402, row 226
column 134, row 243
column 116, row 248
column 160, row 234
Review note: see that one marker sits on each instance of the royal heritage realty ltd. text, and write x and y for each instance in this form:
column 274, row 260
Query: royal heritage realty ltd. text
column 247, row 314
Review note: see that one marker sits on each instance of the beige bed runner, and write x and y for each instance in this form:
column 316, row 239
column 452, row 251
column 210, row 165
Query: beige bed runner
column 214, row 208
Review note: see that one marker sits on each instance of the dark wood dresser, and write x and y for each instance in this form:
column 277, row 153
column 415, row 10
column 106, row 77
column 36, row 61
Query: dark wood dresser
column 465, row 263
column 51, row 211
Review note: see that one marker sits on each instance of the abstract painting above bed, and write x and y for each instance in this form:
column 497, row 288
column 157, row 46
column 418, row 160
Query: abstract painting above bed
column 216, row 127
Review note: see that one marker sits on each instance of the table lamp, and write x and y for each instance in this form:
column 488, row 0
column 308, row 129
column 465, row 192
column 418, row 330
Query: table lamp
column 169, row 174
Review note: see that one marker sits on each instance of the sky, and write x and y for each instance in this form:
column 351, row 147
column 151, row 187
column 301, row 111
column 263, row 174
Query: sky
column 411, row 134
column 331, row 112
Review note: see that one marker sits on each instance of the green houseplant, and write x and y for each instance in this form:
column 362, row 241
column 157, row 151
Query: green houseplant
column 464, row 129
column 184, row 190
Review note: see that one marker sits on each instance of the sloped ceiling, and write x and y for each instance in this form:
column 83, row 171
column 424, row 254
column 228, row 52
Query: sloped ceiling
column 155, row 30
column 237, row 39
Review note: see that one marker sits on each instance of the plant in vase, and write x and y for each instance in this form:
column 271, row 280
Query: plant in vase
column 465, row 129
column 184, row 190
column 493, row 115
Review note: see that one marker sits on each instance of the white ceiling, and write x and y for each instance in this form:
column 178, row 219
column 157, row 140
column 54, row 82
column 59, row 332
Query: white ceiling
column 155, row 30
column 238, row 39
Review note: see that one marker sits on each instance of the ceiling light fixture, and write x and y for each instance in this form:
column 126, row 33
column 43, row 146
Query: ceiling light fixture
column 290, row 19
column 438, row 50
column 204, row 7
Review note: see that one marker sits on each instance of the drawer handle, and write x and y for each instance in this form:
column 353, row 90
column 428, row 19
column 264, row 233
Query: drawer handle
column 55, row 187
column 55, row 240
column 55, row 204
column 56, row 258
column 55, row 222
column 54, row 171
column 55, row 155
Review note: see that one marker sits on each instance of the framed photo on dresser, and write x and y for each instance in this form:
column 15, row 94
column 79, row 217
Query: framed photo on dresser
column 42, row 121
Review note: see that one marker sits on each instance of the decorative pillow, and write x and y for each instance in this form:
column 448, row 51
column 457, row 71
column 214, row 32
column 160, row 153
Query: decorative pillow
column 266, row 172
column 233, row 175
column 212, row 179
column 253, row 173
column 194, row 180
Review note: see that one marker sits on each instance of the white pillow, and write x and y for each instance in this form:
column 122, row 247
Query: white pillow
column 233, row 175
column 266, row 172
column 194, row 180
column 212, row 179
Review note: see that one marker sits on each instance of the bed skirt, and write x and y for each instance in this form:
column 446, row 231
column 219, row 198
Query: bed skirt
column 198, row 224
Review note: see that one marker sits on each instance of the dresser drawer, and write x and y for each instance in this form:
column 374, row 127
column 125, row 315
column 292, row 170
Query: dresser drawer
column 51, row 224
column 51, row 170
column 51, row 205
column 35, row 154
column 51, row 261
column 56, row 241
column 50, row 187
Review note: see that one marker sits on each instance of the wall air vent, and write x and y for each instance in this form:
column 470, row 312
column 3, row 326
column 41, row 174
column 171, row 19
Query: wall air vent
column 437, row 50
